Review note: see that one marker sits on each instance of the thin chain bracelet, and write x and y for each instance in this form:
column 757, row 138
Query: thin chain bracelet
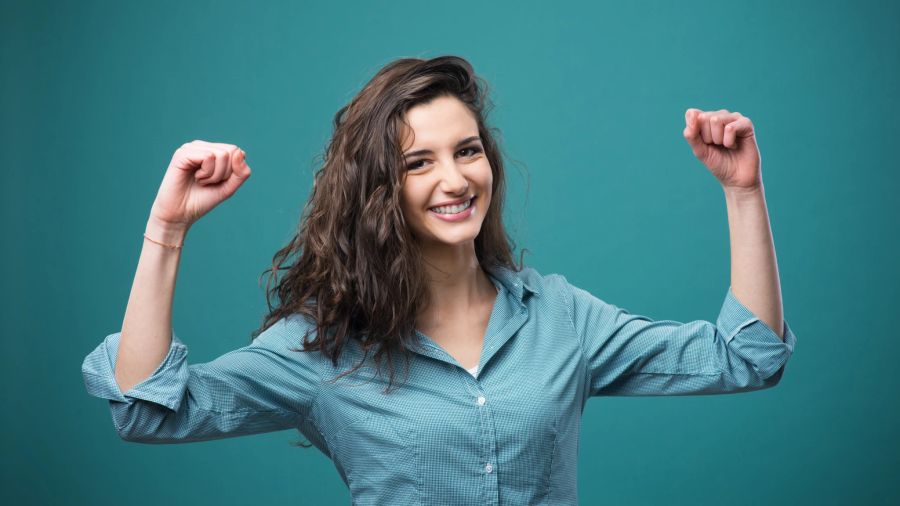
column 173, row 246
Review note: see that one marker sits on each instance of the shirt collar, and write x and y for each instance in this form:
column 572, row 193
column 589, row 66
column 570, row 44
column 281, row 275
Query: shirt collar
column 516, row 282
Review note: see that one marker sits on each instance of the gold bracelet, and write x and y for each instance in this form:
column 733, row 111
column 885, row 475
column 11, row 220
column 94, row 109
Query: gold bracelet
column 173, row 246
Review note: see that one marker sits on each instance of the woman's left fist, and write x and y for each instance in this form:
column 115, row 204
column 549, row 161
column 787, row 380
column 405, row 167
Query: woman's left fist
column 725, row 142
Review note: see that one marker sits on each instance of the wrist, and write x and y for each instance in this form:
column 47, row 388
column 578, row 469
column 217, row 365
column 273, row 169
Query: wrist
column 738, row 193
column 165, row 232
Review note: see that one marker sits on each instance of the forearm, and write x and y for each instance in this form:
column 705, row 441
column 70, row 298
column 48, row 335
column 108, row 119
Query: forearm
column 147, row 327
column 754, row 268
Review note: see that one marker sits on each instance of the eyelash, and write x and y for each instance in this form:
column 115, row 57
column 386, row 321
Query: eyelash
column 475, row 151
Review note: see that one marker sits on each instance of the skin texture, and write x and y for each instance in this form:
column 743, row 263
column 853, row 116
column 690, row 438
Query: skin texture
column 461, row 291
column 725, row 142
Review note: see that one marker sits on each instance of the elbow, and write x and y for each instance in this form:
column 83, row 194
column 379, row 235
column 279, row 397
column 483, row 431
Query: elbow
column 770, row 372
column 141, row 435
column 761, row 381
column 136, row 422
column 754, row 364
column 132, row 432
column 749, row 379
column 774, row 379
column 127, row 433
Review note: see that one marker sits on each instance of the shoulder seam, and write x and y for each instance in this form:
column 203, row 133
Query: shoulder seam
column 567, row 295
column 568, row 301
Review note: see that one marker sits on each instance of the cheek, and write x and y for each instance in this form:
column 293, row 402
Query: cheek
column 406, row 209
column 409, row 202
column 406, row 193
column 488, row 179
column 488, row 173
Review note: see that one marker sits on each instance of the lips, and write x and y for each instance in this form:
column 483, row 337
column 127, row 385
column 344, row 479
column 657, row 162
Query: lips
column 457, row 217
column 453, row 202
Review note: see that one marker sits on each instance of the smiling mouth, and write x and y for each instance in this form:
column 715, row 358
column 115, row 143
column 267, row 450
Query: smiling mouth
column 467, row 205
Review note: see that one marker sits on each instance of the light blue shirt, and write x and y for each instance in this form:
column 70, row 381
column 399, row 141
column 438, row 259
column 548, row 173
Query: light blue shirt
column 506, row 436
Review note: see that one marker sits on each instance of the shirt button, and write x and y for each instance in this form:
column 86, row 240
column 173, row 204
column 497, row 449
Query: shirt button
column 481, row 400
column 489, row 468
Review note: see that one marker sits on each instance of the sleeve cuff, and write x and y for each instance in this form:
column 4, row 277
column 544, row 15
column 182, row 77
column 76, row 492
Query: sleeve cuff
column 165, row 386
column 753, row 340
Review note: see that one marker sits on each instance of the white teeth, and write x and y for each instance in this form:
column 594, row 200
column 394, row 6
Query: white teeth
column 453, row 209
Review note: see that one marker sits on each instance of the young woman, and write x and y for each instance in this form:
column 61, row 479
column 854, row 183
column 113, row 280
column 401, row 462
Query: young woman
column 405, row 344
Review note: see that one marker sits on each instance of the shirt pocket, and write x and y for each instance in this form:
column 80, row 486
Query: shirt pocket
column 379, row 459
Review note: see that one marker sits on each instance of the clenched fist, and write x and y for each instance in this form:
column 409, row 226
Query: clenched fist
column 201, row 175
column 726, row 143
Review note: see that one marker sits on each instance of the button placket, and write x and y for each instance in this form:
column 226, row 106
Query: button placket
column 487, row 437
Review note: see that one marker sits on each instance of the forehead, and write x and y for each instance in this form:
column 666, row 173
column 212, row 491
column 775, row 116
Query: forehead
column 442, row 121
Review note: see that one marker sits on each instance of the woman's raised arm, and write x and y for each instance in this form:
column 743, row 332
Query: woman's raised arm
column 154, row 395
column 200, row 176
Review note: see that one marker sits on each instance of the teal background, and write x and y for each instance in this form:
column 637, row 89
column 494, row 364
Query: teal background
column 590, row 99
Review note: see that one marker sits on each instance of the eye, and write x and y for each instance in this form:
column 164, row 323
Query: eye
column 474, row 151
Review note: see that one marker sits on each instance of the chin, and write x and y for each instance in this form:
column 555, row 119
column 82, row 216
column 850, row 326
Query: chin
column 452, row 239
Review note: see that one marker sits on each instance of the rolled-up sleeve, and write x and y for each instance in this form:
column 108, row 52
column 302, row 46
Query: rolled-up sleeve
column 632, row 355
column 262, row 387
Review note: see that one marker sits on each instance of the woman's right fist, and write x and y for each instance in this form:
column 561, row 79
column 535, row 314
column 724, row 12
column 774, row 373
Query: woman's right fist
column 201, row 175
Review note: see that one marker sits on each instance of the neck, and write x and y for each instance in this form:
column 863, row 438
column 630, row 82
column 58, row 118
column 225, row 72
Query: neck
column 457, row 284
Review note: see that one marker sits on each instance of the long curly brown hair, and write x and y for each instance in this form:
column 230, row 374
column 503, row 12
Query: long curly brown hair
column 360, row 273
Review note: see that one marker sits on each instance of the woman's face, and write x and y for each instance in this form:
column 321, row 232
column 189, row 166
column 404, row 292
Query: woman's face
column 446, row 163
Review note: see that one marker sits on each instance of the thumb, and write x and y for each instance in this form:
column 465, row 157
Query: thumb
column 692, row 132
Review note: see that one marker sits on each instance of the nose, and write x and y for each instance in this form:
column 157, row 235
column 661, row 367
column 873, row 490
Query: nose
column 453, row 181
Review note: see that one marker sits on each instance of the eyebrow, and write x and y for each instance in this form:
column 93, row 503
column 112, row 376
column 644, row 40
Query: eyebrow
column 430, row 152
